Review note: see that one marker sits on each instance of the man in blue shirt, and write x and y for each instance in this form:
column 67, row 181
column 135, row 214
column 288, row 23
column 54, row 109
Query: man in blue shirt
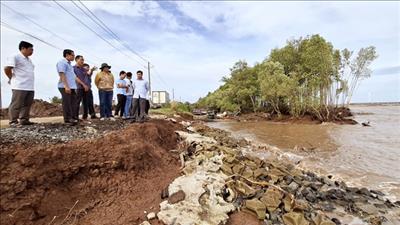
column 67, row 86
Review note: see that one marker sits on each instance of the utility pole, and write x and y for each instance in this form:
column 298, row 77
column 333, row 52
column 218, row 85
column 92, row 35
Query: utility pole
column 148, row 71
column 173, row 95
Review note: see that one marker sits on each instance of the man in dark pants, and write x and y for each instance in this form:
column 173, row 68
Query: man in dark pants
column 82, row 90
column 67, row 87
column 88, row 101
column 121, row 94
column 147, row 107
column 141, row 89
column 20, row 72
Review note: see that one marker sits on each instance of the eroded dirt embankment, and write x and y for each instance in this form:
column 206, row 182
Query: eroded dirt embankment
column 109, row 179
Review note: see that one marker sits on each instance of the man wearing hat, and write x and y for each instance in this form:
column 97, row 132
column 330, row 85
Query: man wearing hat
column 105, row 83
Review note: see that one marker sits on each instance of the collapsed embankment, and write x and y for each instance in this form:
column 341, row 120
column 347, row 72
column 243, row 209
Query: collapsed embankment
column 109, row 179
column 39, row 108
column 119, row 176
column 222, row 175
column 341, row 115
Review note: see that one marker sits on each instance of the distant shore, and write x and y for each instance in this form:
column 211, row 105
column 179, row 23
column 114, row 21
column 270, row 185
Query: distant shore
column 375, row 103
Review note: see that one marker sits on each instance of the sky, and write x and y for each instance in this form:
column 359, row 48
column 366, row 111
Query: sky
column 191, row 44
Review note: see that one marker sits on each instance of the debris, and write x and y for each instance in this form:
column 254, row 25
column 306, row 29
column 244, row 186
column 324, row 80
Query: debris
column 185, row 123
column 257, row 207
column 151, row 216
column 171, row 120
column 202, row 187
column 294, row 218
column 272, row 199
column 176, row 197
column 268, row 187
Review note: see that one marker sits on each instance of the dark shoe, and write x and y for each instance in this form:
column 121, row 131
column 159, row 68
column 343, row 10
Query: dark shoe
column 71, row 122
column 94, row 117
column 26, row 122
column 14, row 124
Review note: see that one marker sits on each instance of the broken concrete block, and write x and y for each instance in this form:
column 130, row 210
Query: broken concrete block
column 238, row 169
column 226, row 168
column 246, row 190
column 321, row 220
column 171, row 120
column 185, row 123
column 260, row 172
column 367, row 209
column 247, row 173
column 176, row 197
column 151, row 216
column 202, row 190
column 301, row 205
column 294, row 218
column 257, row 207
column 272, row 199
column 229, row 158
column 196, row 138
column 287, row 201
column 251, row 164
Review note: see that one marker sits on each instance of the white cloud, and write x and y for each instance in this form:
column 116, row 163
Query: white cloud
column 191, row 58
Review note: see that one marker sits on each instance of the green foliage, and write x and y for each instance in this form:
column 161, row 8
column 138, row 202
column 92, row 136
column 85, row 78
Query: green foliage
column 172, row 108
column 56, row 100
column 304, row 77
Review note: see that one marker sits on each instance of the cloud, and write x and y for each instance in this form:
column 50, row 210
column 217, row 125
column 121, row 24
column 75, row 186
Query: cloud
column 388, row 71
column 193, row 44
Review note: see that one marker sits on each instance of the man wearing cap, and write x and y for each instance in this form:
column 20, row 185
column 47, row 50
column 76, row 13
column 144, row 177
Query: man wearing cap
column 104, row 81
column 67, row 86
column 20, row 72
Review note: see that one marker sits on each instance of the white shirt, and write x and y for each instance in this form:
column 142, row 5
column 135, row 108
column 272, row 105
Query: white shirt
column 23, row 76
column 130, row 87
column 141, row 88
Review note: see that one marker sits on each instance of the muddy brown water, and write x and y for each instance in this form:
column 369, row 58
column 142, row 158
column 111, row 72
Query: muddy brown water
column 362, row 156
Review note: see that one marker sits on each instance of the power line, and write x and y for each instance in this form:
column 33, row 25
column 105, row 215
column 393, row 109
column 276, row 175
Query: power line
column 161, row 79
column 110, row 31
column 89, row 28
column 102, row 25
column 112, row 35
column 30, row 35
column 51, row 32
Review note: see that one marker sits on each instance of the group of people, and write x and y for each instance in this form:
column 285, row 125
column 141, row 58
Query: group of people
column 75, row 86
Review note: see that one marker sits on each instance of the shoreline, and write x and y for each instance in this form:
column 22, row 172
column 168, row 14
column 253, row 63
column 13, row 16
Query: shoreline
column 208, row 151
column 223, row 139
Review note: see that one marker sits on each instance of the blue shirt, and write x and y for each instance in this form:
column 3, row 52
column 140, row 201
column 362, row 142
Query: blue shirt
column 65, row 66
column 81, row 73
column 121, row 91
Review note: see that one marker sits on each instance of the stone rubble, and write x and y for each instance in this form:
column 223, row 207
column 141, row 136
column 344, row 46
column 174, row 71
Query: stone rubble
column 222, row 175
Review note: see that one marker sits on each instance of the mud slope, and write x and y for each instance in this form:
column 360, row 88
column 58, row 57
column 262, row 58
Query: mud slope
column 109, row 180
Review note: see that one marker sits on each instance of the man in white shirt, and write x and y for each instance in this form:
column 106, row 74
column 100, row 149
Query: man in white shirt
column 20, row 71
column 141, row 88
